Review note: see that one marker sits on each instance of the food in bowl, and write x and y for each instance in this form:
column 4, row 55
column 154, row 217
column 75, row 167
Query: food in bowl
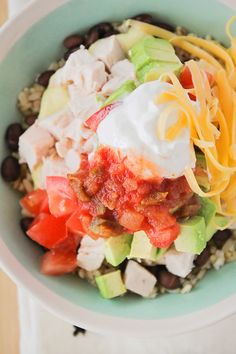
column 127, row 160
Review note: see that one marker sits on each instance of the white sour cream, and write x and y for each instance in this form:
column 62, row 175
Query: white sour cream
column 132, row 127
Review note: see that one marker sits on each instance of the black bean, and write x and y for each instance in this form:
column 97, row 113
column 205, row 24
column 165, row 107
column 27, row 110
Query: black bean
column 100, row 30
column 10, row 169
column 165, row 26
column 149, row 19
column 30, row 120
column 111, row 33
column 168, row 280
column 69, row 52
column 13, row 133
column 25, row 223
column 144, row 18
column 123, row 265
column 44, row 77
column 78, row 330
column 91, row 38
column 72, row 41
column 203, row 257
column 220, row 237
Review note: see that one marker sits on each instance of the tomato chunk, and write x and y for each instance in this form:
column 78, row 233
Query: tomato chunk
column 58, row 262
column 185, row 78
column 131, row 220
column 163, row 238
column 35, row 202
column 74, row 223
column 48, row 230
column 94, row 121
column 62, row 199
column 186, row 81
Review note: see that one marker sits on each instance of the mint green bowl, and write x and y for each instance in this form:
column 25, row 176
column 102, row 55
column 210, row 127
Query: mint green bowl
column 28, row 44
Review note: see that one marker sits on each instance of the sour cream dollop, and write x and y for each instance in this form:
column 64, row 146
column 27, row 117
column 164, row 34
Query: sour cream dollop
column 132, row 127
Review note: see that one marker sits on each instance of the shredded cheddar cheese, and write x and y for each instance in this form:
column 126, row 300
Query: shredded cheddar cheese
column 212, row 119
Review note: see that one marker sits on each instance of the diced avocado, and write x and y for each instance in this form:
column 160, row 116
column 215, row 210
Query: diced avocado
column 192, row 237
column 212, row 227
column 160, row 252
column 154, row 70
column 117, row 248
column 151, row 49
column 141, row 247
column 212, row 220
column 208, row 209
column 202, row 179
column 111, row 284
column 54, row 100
column 152, row 57
column 36, row 176
column 201, row 161
column 130, row 38
column 122, row 91
column 201, row 172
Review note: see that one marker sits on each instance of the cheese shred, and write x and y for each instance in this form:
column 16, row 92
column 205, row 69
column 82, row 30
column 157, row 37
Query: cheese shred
column 212, row 119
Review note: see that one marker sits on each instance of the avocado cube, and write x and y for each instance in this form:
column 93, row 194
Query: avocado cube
column 201, row 172
column 151, row 49
column 160, row 252
column 130, row 38
column 111, row 284
column 208, row 209
column 54, row 100
column 153, row 70
column 119, row 93
column 203, row 180
column 192, row 237
column 117, row 248
column 141, row 247
column 201, row 161
column 212, row 227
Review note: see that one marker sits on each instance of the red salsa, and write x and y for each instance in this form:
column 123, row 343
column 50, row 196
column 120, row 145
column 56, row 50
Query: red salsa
column 113, row 200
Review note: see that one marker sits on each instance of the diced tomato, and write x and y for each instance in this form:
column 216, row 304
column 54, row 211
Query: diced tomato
column 185, row 78
column 94, row 121
column 48, row 230
column 35, row 202
column 58, row 262
column 62, row 199
column 45, row 206
column 186, row 81
column 74, row 223
column 159, row 217
column 163, row 238
column 70, row 243
column 131, row 220
column 38, row 218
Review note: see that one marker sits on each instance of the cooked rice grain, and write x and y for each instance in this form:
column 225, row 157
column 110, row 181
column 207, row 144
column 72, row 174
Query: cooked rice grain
column 29, row 99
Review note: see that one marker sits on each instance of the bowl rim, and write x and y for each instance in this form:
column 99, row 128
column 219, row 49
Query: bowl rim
column 100, row 323
column 75, row 314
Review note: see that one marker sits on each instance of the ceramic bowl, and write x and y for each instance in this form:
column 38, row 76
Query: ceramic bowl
column 29, row 43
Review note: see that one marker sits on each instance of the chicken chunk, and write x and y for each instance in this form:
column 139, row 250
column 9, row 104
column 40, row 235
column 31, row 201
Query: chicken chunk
column 108, row 50
column 57, row 123
column 72, row 160
column 84, row 70
column 120, row 72
column 34, row 144
column 82, row 104
column 91, row 253
column 138, row 279
column 52, row 166
column 179, row 263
